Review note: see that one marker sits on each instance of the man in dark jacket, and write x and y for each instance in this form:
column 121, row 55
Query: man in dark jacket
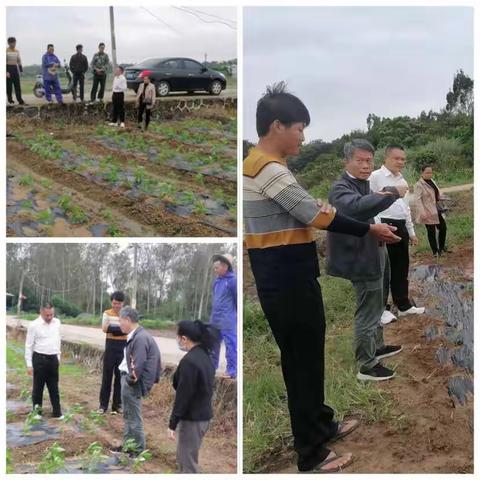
column 140, row 369
column 100, row 63
column 78, row 66
column 363, row 260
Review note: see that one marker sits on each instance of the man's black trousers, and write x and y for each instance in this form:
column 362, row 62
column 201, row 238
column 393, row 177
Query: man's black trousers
column 78, row 79
column 112, row 359
column 118, row 103
column 98, row 80
column 297, row 319
column 45, row 372
column 399, row 256
column 14, row 81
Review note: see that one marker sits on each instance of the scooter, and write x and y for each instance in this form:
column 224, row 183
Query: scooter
column 39, row 87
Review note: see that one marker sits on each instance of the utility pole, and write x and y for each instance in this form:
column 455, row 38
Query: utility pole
column 205, row 58
column 112, row 33
column 135, row 280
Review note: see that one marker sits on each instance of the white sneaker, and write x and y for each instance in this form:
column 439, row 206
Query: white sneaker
column 387, row 317
column 37, row 417
column 412, row 311
column 112, row 124
column 61, row 417
column 122, row 125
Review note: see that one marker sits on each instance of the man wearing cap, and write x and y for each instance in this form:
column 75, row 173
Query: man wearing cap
column 115, row 342
column 224, row 312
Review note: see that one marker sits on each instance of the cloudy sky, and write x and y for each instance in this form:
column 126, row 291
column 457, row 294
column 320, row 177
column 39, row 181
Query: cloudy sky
column 347, row 62
column 165, row 31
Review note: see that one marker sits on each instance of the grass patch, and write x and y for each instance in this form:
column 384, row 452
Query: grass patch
column 26, row 180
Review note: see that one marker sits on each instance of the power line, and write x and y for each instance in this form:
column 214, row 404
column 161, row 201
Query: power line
column 57, row 291
column 195, row 14
column 234, row 22
column 161, row 20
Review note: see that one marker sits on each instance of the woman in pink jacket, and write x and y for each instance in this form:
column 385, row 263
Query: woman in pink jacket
column 430, row 211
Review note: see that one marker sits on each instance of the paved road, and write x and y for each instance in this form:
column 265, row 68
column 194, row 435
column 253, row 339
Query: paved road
column 30, row 99
column 94, row 336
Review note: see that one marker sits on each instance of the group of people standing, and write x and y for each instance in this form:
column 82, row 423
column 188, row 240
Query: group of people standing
column 132, row 362
column 369, row 230
column 79, row 66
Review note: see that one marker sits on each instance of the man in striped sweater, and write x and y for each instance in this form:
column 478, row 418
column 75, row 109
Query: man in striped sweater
column 280, row 218
column 115, row 342
column 14, row 68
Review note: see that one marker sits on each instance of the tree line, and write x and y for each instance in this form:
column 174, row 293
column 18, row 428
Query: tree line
column 443, row 139
column 167, row 281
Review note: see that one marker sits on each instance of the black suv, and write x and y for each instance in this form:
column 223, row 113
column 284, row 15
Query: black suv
column 176, row 75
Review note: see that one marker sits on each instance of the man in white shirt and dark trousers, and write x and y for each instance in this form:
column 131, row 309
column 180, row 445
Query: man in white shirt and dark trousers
column 397, row 215
column 42, row 355
column 118, row 98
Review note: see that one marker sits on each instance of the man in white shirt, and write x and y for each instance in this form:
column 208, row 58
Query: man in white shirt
column 119, row 88
column 42, row 356
column 397, row 215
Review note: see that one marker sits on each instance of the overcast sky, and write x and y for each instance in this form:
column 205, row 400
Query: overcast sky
column 347, row 62
column 138, row 33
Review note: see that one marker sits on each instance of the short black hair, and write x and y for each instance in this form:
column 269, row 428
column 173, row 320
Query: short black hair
column 101, row 44
column 11, row 39
column 118, row 296
column 424, row 167
column 278, row 104
column 49, row 45
column 46, row 305
column 79, row 46
column 393, row 146
column 121, row 68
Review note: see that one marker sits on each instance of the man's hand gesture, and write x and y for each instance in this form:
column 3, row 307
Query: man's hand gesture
column 384, row 232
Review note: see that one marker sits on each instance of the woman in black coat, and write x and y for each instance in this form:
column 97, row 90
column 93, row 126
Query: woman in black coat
column 194, row 383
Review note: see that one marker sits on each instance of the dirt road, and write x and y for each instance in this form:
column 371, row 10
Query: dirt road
column 30, row 99
column 94, row 336
column 453, row 189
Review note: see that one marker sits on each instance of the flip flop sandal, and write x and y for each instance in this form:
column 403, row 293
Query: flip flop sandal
column 327, row 461
column 339, row 435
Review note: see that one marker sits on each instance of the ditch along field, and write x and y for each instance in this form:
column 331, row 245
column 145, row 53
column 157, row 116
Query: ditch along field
column 80, row 180
column 419, row 422
column 81, row 442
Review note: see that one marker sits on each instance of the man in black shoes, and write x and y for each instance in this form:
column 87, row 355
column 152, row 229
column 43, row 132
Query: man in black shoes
column 399, row 216
column 100, row 64
column 79, row 67
column 42, row 355
column 115, row 342
column 362, row 260
column 140, row 369
column 280, row 219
